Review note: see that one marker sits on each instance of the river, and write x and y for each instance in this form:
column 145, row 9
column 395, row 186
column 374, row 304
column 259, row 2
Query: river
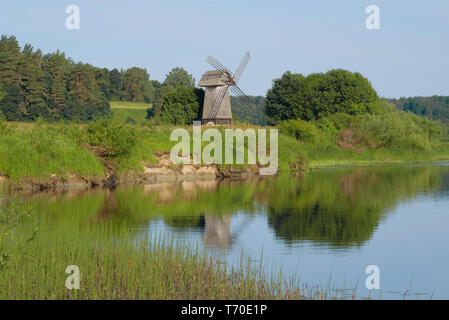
column 324, row 226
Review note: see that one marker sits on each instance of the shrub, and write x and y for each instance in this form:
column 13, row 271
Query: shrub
column 399, row 130
column 302, row 130
column 130, row 120
column 181, row 106
column 115, row 139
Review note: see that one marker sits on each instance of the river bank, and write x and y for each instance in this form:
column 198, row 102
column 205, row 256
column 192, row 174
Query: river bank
column 52, row 156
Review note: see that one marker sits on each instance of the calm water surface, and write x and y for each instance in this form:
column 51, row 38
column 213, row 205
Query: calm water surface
column 325, row 226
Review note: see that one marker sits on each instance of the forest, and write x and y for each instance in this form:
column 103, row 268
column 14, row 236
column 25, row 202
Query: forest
column 434, row 107
column 54, row 87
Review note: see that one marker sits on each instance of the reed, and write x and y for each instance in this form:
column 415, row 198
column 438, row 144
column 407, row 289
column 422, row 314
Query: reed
column 33, row 261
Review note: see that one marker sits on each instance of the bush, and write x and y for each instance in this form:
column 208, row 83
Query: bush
column 181, row 106
column 399, row 130
column 113, row 138
column 302, row 130
column 130, row 120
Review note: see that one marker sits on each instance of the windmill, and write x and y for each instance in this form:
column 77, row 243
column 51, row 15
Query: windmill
column 217, row 104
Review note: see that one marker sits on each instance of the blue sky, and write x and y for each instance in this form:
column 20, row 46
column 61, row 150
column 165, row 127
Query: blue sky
column 408, row 56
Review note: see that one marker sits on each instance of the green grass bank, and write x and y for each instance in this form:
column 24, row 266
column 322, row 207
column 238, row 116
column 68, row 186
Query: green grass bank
column 40, row 149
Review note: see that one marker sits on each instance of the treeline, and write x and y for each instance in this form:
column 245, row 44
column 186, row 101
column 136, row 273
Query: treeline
column 33, row 84
column 294, row 96
column 435, row 107
column 54, row 87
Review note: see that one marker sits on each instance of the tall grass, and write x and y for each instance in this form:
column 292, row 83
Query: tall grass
column 41, row 150
column 33, row 263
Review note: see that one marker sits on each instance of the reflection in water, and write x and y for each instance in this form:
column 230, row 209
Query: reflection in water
column 336, row 207
column 344, row 207
column 218, row 231
column 333, row 209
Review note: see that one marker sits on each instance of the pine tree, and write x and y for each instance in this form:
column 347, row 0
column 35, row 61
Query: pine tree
column 9, row 57
column 56, row 67
column 31, row 76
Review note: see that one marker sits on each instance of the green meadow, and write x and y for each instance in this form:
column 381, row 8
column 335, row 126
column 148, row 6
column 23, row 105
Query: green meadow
column 131, row 112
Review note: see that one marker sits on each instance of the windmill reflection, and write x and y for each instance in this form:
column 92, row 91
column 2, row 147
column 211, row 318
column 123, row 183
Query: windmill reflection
column 218, row 231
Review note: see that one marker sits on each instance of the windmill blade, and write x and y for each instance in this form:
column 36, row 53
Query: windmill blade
column 217, row 64
column 241, row 68
column 222, row 68
column 217, row 103
column 238, row 92
column 241, row 95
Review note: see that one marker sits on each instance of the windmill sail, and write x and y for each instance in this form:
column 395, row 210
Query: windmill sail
column 241, row 68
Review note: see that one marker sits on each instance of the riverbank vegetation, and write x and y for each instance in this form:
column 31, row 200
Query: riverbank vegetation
column 62, row 149
column 34, row 257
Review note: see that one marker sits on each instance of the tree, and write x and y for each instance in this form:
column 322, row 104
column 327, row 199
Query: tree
column 116, row 84
column 137, row 86
column 435, row 107
column 56, row 68
column 9, row 57
column 160, row 91
column 178, row 77
column 182, row 105
column 318, row 95
column 9, row 105
column 31, row 76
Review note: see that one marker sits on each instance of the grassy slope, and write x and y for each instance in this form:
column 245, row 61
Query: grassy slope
column 38, row 150
column 135, row 110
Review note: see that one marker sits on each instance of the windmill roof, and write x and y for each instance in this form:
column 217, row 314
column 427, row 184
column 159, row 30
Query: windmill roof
column 213, row 78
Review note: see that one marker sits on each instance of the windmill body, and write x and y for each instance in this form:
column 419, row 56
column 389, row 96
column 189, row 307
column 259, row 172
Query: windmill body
column 217, row 105
column 215, row 112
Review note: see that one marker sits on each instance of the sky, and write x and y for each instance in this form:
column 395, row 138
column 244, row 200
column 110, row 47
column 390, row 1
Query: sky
column 407, row 56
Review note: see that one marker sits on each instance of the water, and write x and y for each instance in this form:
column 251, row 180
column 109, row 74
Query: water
column 324, row 226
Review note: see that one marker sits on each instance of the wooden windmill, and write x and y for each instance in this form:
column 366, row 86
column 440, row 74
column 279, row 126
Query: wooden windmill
column 217, row 105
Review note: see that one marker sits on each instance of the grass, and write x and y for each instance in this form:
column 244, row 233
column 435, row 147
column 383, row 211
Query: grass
column 124, row 111
column 41, row 149
column 33, row 260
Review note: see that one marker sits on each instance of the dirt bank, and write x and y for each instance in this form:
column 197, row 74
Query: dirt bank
column 163, row 171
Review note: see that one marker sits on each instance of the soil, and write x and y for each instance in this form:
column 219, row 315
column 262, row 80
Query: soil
column 163, row 171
